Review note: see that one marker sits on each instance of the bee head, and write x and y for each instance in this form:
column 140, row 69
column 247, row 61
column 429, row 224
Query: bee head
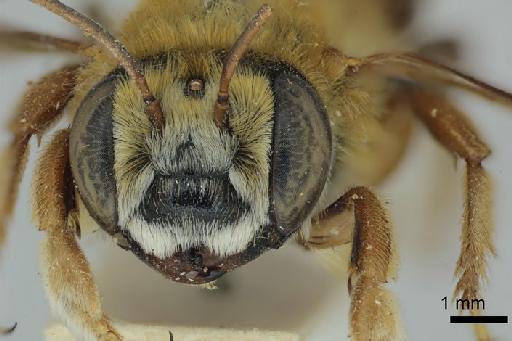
column 196, row 161
column 196, row 199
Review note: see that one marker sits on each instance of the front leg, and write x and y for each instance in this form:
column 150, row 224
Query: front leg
column 373, row 310
column 67, row 277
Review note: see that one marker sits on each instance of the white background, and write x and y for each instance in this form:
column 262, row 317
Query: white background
column 287, row 289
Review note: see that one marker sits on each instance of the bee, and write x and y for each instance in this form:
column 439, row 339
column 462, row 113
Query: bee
column 209, row 137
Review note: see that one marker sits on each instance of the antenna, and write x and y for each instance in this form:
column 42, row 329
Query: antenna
column 233, row 59
column 114, row 46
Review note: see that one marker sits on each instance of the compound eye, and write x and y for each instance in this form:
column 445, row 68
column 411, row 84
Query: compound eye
column 92, row 154
column 302, row 150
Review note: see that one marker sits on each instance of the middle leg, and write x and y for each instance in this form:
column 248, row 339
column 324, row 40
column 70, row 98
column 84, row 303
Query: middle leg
column 42, row 106
column 455, row 132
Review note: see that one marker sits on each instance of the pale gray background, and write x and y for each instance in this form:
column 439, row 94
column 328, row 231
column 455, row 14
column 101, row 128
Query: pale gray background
column 287, row 289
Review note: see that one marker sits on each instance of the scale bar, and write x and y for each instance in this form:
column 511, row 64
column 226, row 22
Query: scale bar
column 478, row 319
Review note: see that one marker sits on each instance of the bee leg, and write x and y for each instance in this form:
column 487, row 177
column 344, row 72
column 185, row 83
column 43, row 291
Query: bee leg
column 42, row 105
column 454, row 131
column 332, row 228
column 66, row 274
column 373, row 310
column 443, row 50
column 26, row 41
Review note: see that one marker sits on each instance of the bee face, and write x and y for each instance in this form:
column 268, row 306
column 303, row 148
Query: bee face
column 203, row 199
